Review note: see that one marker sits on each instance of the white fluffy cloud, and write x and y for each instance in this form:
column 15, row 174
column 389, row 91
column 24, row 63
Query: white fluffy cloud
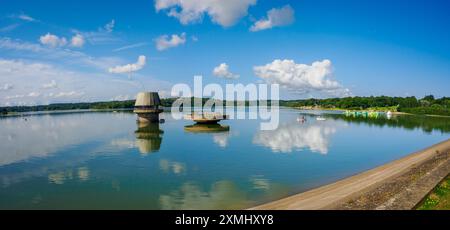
column 26, row 80
column 25, row 17
column 14, row 96
column 223, row 71
column 34, row 94
column 109, row 27
column 6, row 87
column 50, row 85
column 30, row 78
column 66, row 94
column 275, row 17
column 136, row 45
column 9, row 27
column 77, row 41
column 42, row 52
column 225, row 13
column 121, row 97
column 129, row 68
column 103, row 34
column 164, row 42
column 53, row 40
column 301, row 78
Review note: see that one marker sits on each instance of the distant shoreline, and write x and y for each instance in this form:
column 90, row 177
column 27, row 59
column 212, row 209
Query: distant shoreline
column 353, row 110
column 44, row 112
column 427, row 106
column 38, row 112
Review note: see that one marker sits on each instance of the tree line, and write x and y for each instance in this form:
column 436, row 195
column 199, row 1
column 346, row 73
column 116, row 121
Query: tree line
column 426, row 105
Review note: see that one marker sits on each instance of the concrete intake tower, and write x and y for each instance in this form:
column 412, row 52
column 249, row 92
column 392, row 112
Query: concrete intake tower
column 147, row 107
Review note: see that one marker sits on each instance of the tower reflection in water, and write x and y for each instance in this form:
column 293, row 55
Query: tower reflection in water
column 148, row 137
column 207, row 128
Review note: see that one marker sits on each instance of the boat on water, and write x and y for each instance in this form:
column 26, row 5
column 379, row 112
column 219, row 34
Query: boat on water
column 389, row 115
column 321, row 118
column 369, row 114
column 301, row 119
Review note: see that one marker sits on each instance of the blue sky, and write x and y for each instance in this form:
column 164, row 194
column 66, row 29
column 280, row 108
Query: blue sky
column 320, row 48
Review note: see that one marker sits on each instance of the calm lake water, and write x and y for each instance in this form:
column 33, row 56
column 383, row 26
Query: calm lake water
column 104, row 160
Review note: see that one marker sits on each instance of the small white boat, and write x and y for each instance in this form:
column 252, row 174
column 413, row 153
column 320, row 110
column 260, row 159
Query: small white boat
column 389, row 115
column 321, row 118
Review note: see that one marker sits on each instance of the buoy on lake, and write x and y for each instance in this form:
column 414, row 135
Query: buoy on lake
column 147, row 107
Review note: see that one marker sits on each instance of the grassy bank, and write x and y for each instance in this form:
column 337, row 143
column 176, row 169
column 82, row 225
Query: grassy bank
column 439, row 198
column 424, row 106
column 432, row 110
column 375, row 109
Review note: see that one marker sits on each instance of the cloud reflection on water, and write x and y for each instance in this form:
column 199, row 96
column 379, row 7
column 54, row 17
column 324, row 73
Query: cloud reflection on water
column 295, row 137
column 221, row 195
column 260, row 183
column 43, row 135
column 172, row 166
column 82, row 173
column 221, row 139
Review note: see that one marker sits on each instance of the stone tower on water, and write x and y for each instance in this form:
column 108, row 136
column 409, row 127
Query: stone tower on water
column 147, row 107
